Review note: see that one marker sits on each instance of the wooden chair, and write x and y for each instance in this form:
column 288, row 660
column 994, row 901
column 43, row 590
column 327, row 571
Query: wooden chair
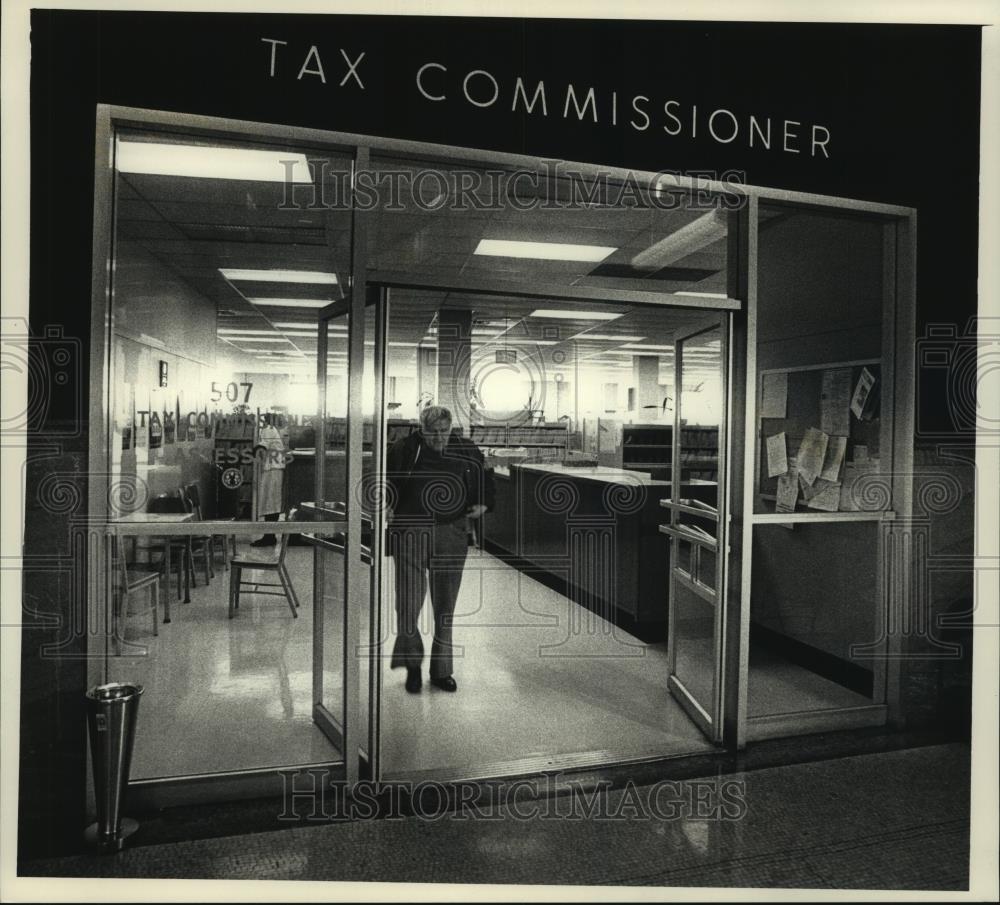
column 132, row 577
column 198, row 543
column 262, row 563
column 167, row 547
column 193, row 496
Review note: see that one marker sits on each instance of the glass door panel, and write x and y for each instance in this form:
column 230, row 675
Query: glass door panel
column 330, row 506
column 697, row 526
column 346, row 495
column 219, row 260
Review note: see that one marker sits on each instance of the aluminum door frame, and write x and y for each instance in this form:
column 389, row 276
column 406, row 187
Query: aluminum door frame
column 709, row 720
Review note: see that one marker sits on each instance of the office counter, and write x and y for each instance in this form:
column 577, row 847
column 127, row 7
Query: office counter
column 596, row 528
column 300, row 475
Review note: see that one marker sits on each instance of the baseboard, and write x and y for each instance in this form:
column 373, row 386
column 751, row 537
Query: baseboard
column 836, row 669
column 647, row 632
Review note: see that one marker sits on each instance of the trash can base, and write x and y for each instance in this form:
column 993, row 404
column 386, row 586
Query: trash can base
column 127, row 828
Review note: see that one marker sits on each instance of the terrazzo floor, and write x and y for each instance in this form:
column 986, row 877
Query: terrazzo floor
column 540, row 679
column 891, row 820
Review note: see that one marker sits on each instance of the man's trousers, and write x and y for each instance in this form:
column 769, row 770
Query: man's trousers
column 422, row 551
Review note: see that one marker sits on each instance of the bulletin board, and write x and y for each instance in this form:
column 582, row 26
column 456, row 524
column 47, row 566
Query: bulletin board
column 817, row 408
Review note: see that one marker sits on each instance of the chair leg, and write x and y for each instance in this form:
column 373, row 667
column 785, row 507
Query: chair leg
column 166, row 601
column 235, row 575
column 286, row 583
column 209, row 557
column 225, row 553
column 154, row 595
column 190, row 561
column 291, row 587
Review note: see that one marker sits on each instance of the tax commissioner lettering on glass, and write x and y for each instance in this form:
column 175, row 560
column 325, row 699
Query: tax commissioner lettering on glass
column 436, row 82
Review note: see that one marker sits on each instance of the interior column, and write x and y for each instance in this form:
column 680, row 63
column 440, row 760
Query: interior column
column 646, row 380
column 427, row 361
column 454, row 350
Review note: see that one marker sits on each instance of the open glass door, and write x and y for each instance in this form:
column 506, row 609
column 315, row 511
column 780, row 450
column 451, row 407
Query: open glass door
column 329, row 504
column 348, row 448
column 698, row 525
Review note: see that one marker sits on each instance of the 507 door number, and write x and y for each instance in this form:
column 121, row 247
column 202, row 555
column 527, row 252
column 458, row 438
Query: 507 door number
column 232, row 391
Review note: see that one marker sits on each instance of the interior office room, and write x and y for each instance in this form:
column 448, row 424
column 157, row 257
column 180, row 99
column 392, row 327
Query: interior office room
column 689, row 448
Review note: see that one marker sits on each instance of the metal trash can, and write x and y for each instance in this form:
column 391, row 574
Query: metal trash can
column 111, row 718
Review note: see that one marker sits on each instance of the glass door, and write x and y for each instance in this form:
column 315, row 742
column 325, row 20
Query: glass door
column 698, row 526
column 348, row 459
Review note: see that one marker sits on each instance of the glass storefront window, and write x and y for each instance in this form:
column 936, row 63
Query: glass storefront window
column 224, row 251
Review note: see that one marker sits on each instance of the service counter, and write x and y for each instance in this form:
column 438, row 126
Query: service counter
column 594, row 528
column 300, row 475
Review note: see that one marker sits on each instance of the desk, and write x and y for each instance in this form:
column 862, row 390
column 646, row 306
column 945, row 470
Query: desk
column 162, row 518
column 596, row 531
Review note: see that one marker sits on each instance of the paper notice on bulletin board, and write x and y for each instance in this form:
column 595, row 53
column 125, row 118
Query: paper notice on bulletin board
column 825, row 496
column 774, row 395
column 834, row 458
column 788, row 492
column 835, row 402
column 777, row 455
column 861, row 393
column 812, row 452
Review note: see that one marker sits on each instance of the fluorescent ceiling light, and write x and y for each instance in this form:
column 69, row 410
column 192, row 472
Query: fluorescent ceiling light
column 506, row 341
column 281, row 341
column 649, row 348
column 702, row 295
column 707, row 229
column 608, row 337
column 544, row 251
column 205, row 162
column 312, row 277
column 293, row 325
column 292, row 303
column 236, row 331
column 575, row 315
column 476, row 331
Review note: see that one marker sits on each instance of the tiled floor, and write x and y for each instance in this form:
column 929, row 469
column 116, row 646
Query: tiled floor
column 541, row 681
column 895, row 820
column 227, row 694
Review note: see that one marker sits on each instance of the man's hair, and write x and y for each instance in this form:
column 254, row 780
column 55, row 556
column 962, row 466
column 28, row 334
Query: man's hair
column 432, row 415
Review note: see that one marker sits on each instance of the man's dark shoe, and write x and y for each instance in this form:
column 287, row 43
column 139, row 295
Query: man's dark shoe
column 413, row 680
column 268, row 540
column 447, row 683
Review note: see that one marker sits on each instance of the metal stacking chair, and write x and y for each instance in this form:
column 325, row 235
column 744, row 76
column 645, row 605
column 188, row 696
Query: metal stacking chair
column 261, row 563
column 172, row 545
column 134, row 577
column 193, row 496
column 198, row 543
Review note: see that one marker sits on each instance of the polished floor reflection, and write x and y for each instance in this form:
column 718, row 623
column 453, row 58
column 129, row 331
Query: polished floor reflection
column 227, row 694
column 540, row 680
column 892, row 820
column 543, row 684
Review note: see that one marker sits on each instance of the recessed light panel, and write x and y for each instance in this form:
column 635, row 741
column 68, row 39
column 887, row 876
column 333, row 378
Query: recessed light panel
column 575, row 315
column 206, row 162
column 543, row 251
column 608, row 337
column 311, row 277
column 290, row 303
